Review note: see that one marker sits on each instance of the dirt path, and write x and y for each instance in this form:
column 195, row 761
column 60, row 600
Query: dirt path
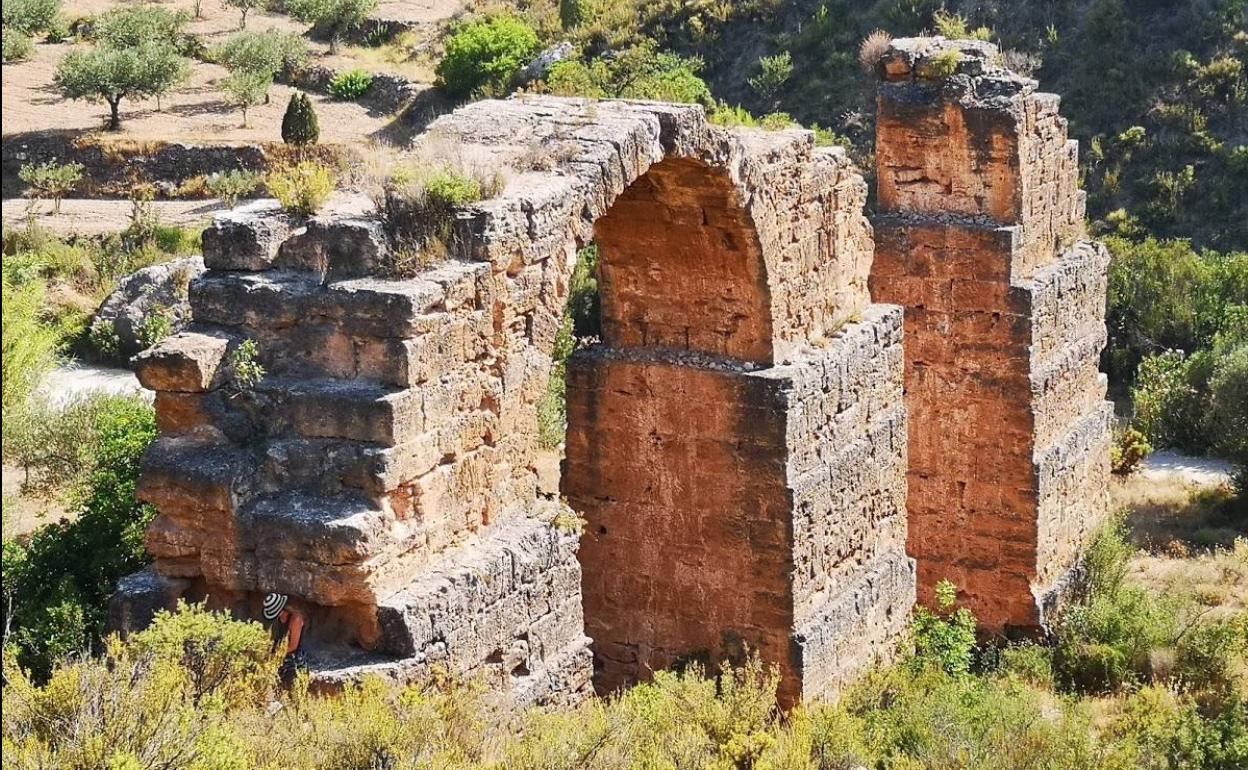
column 95, row 217
column 1168, row 465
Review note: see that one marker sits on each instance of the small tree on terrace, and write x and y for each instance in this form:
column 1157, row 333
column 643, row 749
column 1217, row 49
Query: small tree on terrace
column 111, row 74
column 247, row 89
column 139, row 25
column 243, row 7
column 334, row 18
column 270, row 51
column 299, row 125
column 30, row 16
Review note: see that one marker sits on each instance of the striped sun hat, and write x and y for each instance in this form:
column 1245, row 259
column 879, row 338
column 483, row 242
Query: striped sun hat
column 274, row 604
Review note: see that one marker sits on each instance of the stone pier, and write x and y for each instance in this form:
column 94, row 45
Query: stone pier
column 980, row 237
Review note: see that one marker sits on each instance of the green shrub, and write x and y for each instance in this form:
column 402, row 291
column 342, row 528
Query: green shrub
column 351, row 84
column 140, row 25
column 270, row 52
column 223, row 658
column 944, row 638
column 640, row 72
column 1129, row 450
column 1165, row 295
column 1226, row 420
column 55, row 445
column 16, row 45
column 421, row 203
column 485, row 55
column 29, row 344
column 51, row 180
column 955, row 27
column 303, row 188
column 942, row 65
column 1169, row 400
column 333, row 18
column 774, row 72
column 233, row 186
column 299, row 124
column 30, row 17
column 58, row 585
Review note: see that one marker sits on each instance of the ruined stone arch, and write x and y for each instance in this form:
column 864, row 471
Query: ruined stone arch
column 737, row 443
column 386, row 470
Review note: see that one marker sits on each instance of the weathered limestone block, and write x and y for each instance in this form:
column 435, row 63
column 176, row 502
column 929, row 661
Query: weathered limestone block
column 246, row 238
column 1004, row 324
column 190, row 362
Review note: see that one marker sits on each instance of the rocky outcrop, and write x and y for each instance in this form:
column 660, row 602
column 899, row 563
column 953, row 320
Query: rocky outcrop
column 146, row 306
column 979, row 237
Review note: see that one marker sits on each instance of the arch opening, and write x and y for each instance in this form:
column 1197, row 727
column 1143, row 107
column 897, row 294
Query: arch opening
column 671, row 453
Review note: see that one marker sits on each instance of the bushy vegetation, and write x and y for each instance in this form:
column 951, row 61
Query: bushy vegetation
column 332, row 18
column 197, row 690
column 640, row 72
column 483, row 56
column 31, row 17
column 351, row 85
column 302, row 188
column 57, row 283
column 56, row 585
column 1166, row 295
column 51, row 180
column 270, row 52
column 232, row 186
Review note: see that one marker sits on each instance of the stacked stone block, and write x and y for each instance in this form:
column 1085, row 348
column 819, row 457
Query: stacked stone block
column 385, row 470
column 978, row 238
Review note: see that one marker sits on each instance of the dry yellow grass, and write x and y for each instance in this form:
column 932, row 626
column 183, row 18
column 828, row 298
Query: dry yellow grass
column 1191, row 538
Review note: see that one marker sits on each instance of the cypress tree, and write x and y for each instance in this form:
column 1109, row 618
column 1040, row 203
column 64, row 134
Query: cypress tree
column 299, row 124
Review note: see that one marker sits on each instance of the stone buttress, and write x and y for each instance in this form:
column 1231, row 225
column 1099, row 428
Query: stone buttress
column 978, row 237
column 736, row 442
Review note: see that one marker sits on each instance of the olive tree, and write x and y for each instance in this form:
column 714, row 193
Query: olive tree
column 246, row 89
column 334, row 18
column 111, row 74
column 243, row 7
column 138, row 25
column 269, row 52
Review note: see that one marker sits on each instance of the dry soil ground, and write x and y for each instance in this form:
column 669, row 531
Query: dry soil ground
column 197, row 111
column 98, row 216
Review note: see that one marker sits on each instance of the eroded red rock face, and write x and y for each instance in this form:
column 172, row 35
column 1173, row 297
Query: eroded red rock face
column 979, row 241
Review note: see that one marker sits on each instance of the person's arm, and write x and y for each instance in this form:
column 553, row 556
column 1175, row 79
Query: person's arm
column 295, row 633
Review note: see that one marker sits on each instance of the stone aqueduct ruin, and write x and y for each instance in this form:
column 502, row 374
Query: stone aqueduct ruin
column 738, row 443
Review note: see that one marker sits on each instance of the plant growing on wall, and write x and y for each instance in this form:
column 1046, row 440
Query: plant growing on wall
column 246, row 371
